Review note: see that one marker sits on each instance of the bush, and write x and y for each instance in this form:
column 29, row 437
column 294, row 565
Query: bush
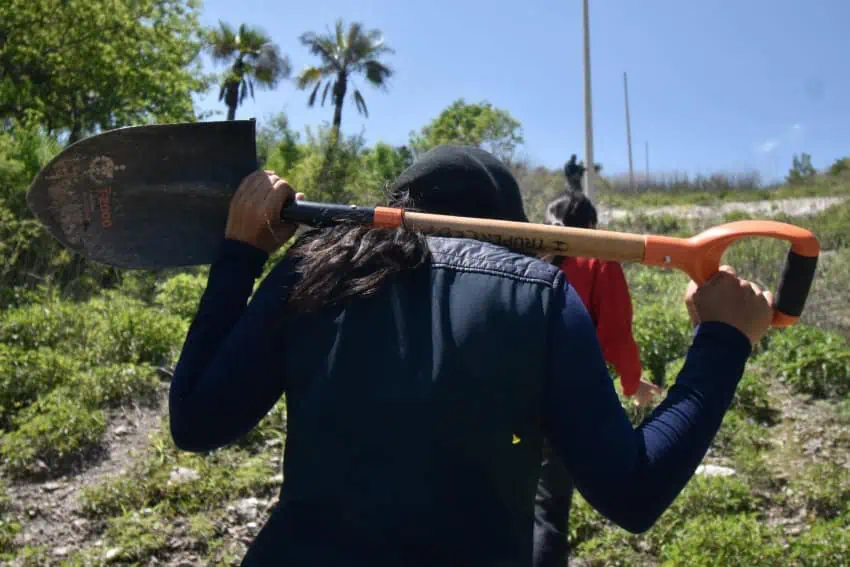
column 55, row 430
column 27, row 374
column 826, row 489
column 740, row 540
column 137, row 536
column 600, row 542
column 824, row 545
column 812, row 361
column 111, row 328
column 129, row 331
column 56, row 324
column 181, row 294
column 752, row 398
column 117, row 384
column 9, row 526
column 662, row 334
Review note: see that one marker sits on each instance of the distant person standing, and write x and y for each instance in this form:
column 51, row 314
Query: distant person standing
column 603, row 289
column 574, row 172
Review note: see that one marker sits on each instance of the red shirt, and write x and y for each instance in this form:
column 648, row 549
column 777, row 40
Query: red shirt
column 602, row 287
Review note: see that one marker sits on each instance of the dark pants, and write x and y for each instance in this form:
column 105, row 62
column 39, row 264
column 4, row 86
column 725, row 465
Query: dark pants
column 551, row 512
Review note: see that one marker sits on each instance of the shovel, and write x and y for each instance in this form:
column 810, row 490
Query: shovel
column 152, row 197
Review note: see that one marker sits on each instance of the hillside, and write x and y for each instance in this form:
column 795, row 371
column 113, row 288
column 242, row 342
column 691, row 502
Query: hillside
column 91, row 477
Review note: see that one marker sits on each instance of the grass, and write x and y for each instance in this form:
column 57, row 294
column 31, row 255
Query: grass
column 681, row 190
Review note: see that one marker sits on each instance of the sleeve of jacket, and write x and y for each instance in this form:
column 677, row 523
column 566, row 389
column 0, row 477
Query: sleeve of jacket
column 613, row 306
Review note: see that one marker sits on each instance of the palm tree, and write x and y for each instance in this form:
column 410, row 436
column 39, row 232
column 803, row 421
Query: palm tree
column 343, row 55
column 253, row 59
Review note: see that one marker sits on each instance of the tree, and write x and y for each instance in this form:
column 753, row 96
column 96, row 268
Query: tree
column 387, row 162
column 278, row 145
column 801, row 169
column 253, row 60
column 344, row 55
column 840, row 166
column 480, row 124
column 76, row 66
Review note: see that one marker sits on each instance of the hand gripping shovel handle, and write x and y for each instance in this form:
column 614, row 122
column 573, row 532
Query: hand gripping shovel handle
column 698, row 256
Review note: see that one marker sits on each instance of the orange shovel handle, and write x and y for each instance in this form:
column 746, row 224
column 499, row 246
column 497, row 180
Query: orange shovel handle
column 699, row 257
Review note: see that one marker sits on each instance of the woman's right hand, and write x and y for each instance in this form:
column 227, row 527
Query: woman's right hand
column 254, row 216
column 729, row 299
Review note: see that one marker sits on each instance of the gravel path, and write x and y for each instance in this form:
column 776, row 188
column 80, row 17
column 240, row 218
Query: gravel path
column 793, row 207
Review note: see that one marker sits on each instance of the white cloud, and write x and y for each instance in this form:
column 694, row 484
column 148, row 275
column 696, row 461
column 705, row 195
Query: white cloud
column 771, row 144
column 767, row 146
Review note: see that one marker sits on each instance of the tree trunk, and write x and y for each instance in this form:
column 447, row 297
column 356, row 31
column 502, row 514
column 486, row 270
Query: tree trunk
column 231, row 98
column 339, row 98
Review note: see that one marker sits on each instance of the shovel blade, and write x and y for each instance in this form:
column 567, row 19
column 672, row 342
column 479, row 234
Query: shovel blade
column 146, row 197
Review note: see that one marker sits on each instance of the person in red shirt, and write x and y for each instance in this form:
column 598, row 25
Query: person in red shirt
column 604, row 291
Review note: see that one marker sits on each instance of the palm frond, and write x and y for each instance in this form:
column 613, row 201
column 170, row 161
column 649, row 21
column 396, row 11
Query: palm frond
column 221, row 42
column 243, row 90
column 252, row 39
column 377, row 73
column 361, row 103
column 325, row 93
column 340, row 34
column 312, row 100
column 309, row 75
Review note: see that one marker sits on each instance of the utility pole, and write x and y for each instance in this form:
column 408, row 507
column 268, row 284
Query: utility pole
column 629, row 132
column 590, row 169
column 647, row 163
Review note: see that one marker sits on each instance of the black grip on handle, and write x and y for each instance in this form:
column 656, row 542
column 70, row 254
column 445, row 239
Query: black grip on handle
column 323, row 215
column 795, row 283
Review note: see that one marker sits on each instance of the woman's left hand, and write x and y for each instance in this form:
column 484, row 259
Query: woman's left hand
column 645, row 393
column 254, row 216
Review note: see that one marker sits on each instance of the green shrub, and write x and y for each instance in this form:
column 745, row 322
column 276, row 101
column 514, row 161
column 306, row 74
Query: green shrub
column 822, row 372
column 752, row 398
column 56, row 430
column 662, row 334
column 110, row 328
column 812, row 361
column 703, row 496
column 9, row 526
column 825, row 544
column 599, row 542
column 656, row 285
column 740, row 540
column 830, row 226
column 129, row 331
column 52, row 325
column 27, row 374
column 180, row 294
column 116, row 385
column 738, row 431
column 138, row 536
column 826, row 489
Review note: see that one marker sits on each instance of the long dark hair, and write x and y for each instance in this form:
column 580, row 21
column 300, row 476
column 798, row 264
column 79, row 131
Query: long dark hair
column 574, row 209
column 346, row 261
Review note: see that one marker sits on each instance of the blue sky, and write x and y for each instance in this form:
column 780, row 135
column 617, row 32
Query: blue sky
column 714, row 85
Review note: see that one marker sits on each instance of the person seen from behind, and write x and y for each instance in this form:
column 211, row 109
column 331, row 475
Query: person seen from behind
column 604, row 291
column 422, row 373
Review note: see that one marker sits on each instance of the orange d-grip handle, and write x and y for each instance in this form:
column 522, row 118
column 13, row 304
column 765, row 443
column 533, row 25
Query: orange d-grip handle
column 699, row 257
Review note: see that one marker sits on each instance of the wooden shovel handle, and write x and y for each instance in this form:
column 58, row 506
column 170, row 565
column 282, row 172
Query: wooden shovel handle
column 698, row 256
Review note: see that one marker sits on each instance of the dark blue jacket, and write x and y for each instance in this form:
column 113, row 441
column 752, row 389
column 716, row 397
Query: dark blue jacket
column 416, row 417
